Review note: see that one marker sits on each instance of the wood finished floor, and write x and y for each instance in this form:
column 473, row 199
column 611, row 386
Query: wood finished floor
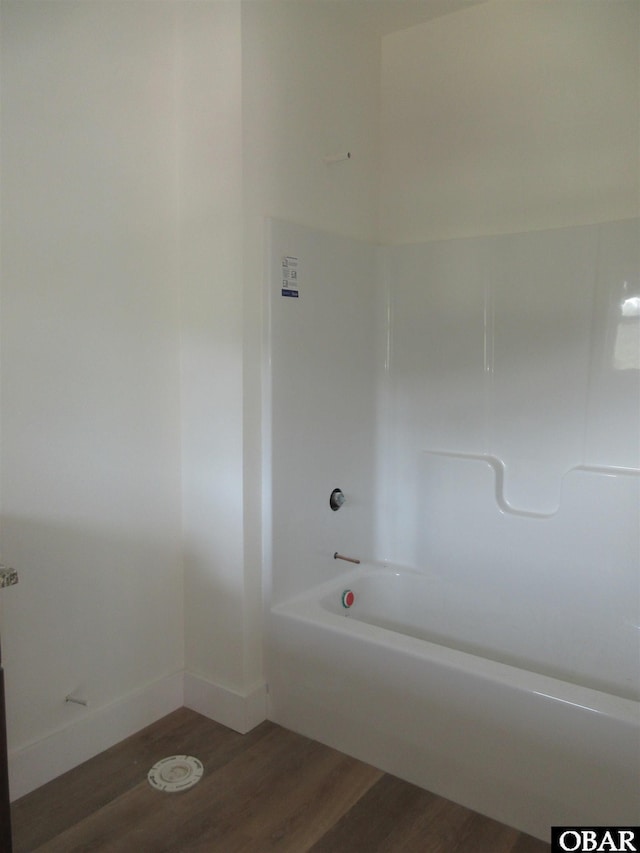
column 269, row 790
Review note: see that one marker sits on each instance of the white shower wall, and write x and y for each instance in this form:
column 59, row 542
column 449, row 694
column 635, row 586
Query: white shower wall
column 507, row 346
column 322, row 357
column 512, row 430
column 479, row 405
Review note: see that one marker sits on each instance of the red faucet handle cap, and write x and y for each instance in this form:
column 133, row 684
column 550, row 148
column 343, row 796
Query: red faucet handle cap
column 348, row 598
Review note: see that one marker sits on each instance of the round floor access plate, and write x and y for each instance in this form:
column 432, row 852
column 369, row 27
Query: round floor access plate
column 176, row 773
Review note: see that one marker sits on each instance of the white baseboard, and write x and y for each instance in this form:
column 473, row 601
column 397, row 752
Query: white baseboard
column 38, row 763
column 99, row 729
column 238, row 711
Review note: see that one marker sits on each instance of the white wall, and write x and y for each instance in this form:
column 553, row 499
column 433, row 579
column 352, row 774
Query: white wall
column 310, row 88
column 511, row 400
column 90, row 382
column 508, row 117
column 143, row 146
column 211, row 280
column 482, row 331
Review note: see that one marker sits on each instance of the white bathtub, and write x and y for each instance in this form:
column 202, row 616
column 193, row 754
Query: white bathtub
column 458, row 709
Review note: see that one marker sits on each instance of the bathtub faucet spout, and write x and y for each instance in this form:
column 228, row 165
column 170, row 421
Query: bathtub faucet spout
column 337, row 556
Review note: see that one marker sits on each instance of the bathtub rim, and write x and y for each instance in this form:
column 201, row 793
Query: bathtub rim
column 307, row 607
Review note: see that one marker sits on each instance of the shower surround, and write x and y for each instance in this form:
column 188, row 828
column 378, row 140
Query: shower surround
column 477, row 401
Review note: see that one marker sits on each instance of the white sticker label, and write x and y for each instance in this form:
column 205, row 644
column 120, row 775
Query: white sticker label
column 290, row 280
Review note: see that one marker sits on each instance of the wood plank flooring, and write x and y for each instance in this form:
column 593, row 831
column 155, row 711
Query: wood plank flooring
column 269, row 790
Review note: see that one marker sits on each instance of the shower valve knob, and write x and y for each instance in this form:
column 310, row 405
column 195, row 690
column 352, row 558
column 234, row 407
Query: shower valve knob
column 337, row 499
